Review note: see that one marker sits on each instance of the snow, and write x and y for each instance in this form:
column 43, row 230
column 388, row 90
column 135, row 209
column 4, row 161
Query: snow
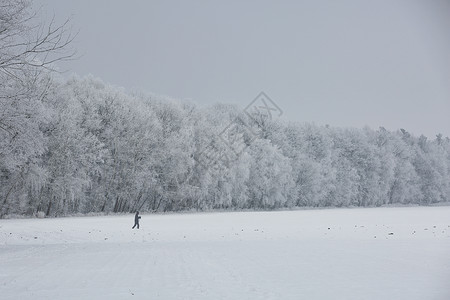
column 377, row 253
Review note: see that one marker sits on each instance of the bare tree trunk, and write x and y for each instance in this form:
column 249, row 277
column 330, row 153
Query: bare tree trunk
column 8, row 193
column 49, row 206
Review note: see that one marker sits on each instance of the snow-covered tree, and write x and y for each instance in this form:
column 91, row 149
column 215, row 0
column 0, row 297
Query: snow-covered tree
column 27, row 54
column 270, row 180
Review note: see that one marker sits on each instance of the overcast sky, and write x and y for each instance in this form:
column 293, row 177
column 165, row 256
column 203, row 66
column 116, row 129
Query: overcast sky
column 342, row 63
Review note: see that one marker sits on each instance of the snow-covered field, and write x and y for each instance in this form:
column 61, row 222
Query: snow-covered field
column 377, row 253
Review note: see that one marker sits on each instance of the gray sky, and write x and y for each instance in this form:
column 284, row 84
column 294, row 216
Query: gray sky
column 343, row 63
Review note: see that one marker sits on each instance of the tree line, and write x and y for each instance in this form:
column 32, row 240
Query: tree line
column 91, row 147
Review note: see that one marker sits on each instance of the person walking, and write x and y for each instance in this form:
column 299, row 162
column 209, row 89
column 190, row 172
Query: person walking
column 136, row 220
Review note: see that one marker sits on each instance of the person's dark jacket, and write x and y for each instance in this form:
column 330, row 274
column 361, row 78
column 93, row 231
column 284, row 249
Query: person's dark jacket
column 136, row 217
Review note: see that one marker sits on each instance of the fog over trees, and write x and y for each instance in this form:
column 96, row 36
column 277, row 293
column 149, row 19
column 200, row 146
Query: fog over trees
column 82, row 145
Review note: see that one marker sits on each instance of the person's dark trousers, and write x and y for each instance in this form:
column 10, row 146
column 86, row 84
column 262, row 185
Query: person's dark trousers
column 135, row 224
